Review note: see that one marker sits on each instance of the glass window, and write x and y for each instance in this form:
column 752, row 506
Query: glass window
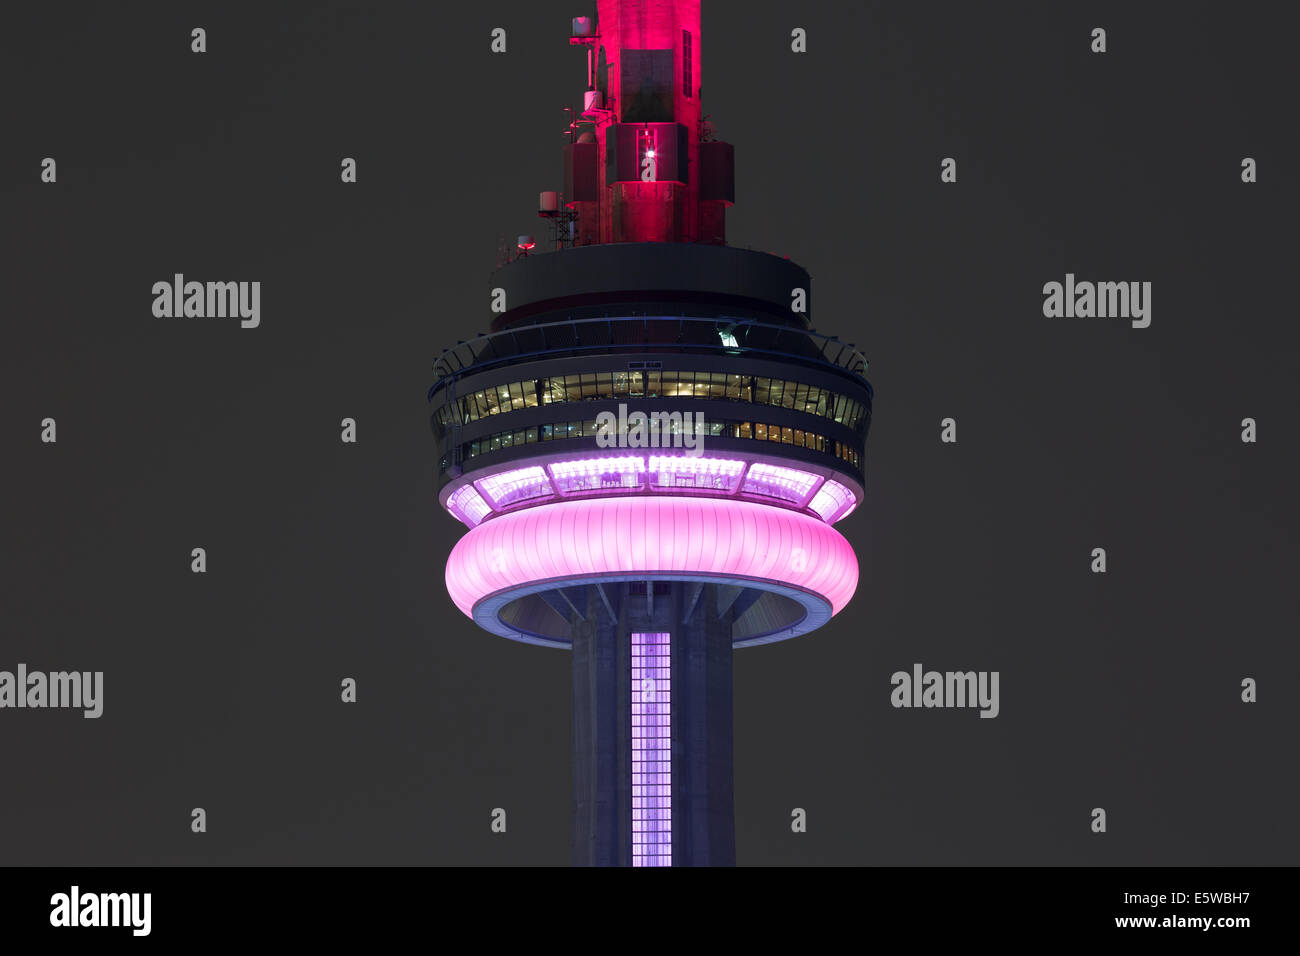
column 762, row 390
column 651, row 720
column 800, row 397
column 746, row 430
column 653, row 384
column 760, row 431
column 798, row 437
column 573, row 388
column 787, row 394
column 787, row 436
column 530, row 435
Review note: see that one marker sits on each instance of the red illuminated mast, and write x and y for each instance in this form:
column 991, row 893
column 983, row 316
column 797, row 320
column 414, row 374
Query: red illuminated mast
column 641, row 166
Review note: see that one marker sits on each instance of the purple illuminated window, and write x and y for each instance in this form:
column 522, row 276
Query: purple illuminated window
column 518, row 485
column 468, row 505
column 831, row 501
column 775, row 481
column 652, row 756
column 710, row 474
column 598, row 474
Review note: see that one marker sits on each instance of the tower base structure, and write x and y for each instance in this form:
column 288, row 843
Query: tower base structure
column 652, row 724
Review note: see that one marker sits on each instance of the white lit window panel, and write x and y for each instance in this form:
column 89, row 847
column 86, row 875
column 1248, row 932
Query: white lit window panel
column 468, row 505
column 521, row 484
column 776, row 481
column 831, row 501
column 652, row 750
column 668, row 472
column 610, row 475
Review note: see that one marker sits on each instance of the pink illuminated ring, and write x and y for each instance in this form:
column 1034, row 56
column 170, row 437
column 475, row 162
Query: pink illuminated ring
column 806, row 569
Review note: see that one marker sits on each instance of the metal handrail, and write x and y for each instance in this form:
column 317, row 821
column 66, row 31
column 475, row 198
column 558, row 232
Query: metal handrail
column 466, row 357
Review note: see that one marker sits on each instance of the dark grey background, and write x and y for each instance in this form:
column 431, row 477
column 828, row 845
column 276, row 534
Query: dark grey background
column 325, row 560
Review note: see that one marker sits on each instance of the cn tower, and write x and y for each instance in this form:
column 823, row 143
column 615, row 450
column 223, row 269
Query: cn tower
column 650, row 448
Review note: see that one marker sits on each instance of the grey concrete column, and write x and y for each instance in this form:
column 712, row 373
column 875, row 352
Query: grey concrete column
column 602, row 804
column 704, row 828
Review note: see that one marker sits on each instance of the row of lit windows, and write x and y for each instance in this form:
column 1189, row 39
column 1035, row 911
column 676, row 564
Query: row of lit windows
column 759, row 431
column 589, row 386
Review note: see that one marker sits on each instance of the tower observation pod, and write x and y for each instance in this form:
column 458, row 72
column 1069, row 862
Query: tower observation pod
column 650, row 448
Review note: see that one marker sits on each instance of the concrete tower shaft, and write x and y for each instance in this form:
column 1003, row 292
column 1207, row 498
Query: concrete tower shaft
column 650, row 448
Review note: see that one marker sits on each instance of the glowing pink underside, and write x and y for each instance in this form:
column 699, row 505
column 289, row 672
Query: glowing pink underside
column 650, row 534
